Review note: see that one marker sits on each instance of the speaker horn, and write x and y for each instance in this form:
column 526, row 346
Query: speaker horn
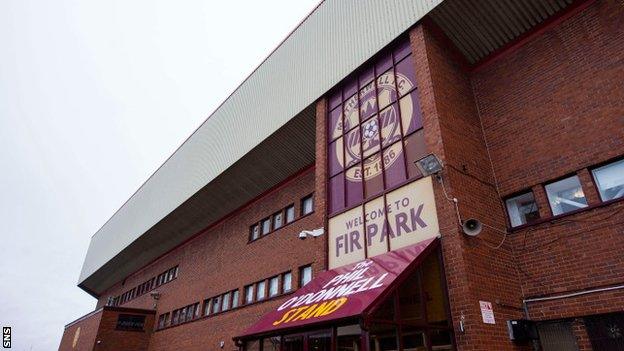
column 472, row 227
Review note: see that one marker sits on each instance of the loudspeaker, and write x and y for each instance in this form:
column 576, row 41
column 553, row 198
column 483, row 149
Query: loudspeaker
column 472, row 227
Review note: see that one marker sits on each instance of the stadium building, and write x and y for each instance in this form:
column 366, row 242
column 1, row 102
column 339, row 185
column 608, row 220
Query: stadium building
column 396, row 175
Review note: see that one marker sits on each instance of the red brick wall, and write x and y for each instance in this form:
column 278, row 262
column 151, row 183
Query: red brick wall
column 116, row 340
column 475, row 272
column 555, row 107
column 221, row 259
column 98, row 332
column 87, row 334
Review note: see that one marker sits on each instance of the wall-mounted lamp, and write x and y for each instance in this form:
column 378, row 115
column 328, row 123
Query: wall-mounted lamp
column 429, row 165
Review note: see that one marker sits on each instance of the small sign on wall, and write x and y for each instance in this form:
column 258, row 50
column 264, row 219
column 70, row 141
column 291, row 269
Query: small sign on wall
column 487, row 312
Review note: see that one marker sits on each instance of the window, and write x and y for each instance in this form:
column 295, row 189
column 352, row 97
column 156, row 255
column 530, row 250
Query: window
column 183, row 315
column 261, row 290
column 161, row 321
column 216, row 304
column 225, row 305
column 307, row 205
column 290, row 213
column 286, row 282
column 235, row 298
column 273, row 286
column 277, row 220
column 305, row 275
column 254, row 232
column 522, row 209
column 266, row 226
column 206, row 307
column 176, row 315
column 190, row 313
column 566, row 195
column 610, row 180
column 249, row 295
column 375, row 130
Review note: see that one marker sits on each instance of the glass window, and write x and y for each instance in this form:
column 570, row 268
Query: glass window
column 190, row 313
column 566, row 195
column 610, row 180
column 336, row 193
column 176, row 316
column 522, row 209
column 383, row 337
column 307, row 205
column 348, row 338
column 216, row 304
column 277, row 220
column 305, row 275
column 253, row 345
column 394, row 166
column 225, row 302
column 161, row 321
column 254, row 232
column 183, row 315
column 206, row 307
column 413, row 338
column 249, row 295
column 336, row 157
column 261, row 290
column 286, row 282
column 290, row 213
column 235, row 299
column 271, row 344
column 273, row 286
column 293, row 343
column 266, row 226
column 321, row 341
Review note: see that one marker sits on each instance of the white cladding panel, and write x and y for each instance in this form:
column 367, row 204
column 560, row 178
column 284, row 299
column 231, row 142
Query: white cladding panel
column 334, row 40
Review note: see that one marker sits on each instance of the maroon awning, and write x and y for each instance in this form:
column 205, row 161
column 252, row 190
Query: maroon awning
column 344, row 292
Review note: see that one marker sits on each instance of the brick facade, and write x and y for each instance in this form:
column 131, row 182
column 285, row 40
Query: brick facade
column 98, row 331
column 552, row 107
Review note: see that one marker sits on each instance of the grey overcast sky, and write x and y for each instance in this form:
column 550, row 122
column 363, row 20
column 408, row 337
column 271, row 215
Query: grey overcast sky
column 94, row 96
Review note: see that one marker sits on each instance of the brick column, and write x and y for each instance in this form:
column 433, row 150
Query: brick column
column 580, row 332
column 476, row 268
column 321, row 169
column 587, row 182
column 542, row 201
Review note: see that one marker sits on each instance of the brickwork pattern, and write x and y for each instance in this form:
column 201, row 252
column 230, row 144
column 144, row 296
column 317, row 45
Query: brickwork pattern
column 221, row 259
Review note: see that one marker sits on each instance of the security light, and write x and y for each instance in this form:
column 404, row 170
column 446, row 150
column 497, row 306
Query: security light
column 311, row 233
column 429, row 165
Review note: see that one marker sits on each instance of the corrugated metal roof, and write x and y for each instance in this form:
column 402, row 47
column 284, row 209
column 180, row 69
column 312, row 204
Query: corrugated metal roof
column 479, row 27
column 213, row 172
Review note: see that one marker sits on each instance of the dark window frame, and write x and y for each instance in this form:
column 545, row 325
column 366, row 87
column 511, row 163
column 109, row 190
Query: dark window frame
column 302, row 206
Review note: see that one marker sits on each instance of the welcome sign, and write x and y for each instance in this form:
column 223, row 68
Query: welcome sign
column 343, row 292
column 402, row 217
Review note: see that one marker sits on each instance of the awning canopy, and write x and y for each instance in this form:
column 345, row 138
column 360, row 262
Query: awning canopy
column 348, row 291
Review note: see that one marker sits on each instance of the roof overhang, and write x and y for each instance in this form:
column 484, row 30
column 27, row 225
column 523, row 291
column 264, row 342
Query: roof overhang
column 209, row 174
column 264, row 131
